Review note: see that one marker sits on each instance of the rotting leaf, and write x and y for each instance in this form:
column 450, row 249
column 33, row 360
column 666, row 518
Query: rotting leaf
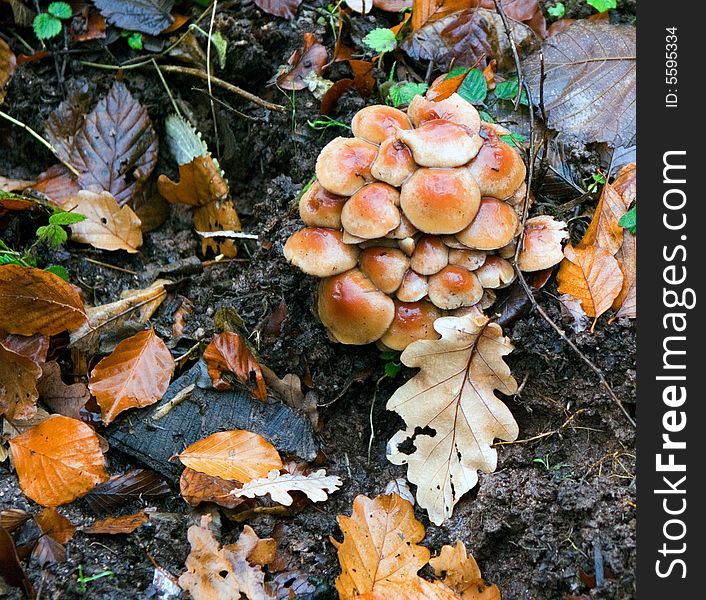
column 604, row 230
column 7, row 67
column 56, row 531
column 453, row 395
column 11, row 571
column 34, row 347
column 311, row 58
column 135, row 484
column 116, row 525
column 57, row 184
column 65, row 121
column 279, row 486
column 62, row 399
column 200, row 183
column 135, row 375
column 228, row 353
column 18, row 385
column 146, row 16
column 461, row 573
column 198, row 487
column 217, row 216
column 12, row 518
column 287, row 9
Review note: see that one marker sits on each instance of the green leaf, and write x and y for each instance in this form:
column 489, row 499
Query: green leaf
column 486, row 116
column 46, row 26
column 221, row 45
column 402, row 93
column 9, row 259
column 629, row 220
column 514, row 139
column 602, row 5
column 507, row 90
column 557, row 11
column 53, row 235
column 66, row 218
column 456, row 72
column 60, row 10
column 389, row 355
column 381, row 40
column 134, row 40
column 392, row 369
column 59, row 271
column 474, row 87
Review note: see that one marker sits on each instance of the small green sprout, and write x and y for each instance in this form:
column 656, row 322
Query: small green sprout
column 323, row 122
column 392, row 363
column 598, row 179
column 82, row 580
column 381, row 40
column 48, row 25
column 602, row 5
column 134, row 39
column 557, row 11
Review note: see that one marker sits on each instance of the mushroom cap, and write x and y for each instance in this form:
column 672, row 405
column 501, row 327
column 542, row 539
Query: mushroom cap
column 372, row 212
column 407, row 245
column 413, row 321
column 440, row 200
column 404, row 230
column 468, row 259
column 343, row 165
column 430, row 255
column 508, row 251
column 385, row 267
column 541, row 246
column 320, row 208
column 453, row 287
column 498, row 168
column 495, row 273
column 320, row 252
column 454, row 109
column 493, row 227
column 394, row 163
column 378, row 122
column 352, row 309
column 413, row 287
column 441, row 143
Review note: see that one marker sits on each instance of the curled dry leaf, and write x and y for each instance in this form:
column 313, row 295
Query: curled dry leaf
column 279, row 486
column 116, row 525
column 135, row 375
column 18, row 385
column 217, row 216
column 57, row 184
column 56, row 530
column 234, row 455
column 7, row 67
column 58, row 461
column 136, row 484
column 62, row 399
column 311, row 58
column 228, row 353
column 454, row 395
column 11, row 571
column 198, row 487
column 107, row 226
column 289, row 390
column 287, row 9
column 36, row 301
column 604, row 230
column 461, row 574
column 200, row 183
column 379, row 545
column 12, row 518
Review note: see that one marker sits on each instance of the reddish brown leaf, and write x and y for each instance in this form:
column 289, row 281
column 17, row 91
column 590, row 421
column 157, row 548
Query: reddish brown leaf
column 34, row 347
column 198, row 487
column 525, row 11
column 94, row 28
column 7, row 67
column 200, row 183
column 330, row 99
column 62, row 399
column 217, row 216
column 180, row 317
column 36, row 301
column 604, row 230
column 65, row 121
column 57, row 184
column 135, row 375
column 18, row 385
column 228, row 353
column 116, row 525
column 12, row 518
column 10, row 567
column 151, row 208
column 424, row 11
column 136, row 484
column 626, row 301
column 57, row 526
column 286, row 9
column 311, row 58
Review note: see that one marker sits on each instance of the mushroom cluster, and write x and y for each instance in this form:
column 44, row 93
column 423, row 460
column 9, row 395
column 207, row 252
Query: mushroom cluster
column 413, row 218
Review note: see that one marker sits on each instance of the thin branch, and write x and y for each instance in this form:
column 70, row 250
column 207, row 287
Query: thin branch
column 515, row 55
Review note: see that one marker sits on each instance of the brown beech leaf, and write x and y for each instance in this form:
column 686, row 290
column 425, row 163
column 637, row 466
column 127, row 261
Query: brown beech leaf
column 198, row 487
column 453, row 394
column 135, row 484
column 55, row 525
column 461, row 574
column 107, row 226
column 11, row 571
column 311, row 58
column 65, row 121
column 57, row 184
column 7, row 67
column 58, row 461
column 200, row 183
column 424, row 11
column 36, row 301
column 94, row 28
column 62, row 399
column 136, row 374
column 217, row 216
column 287, row 9
column 234, row 455
column 316, row 486
column 12, row 518
column 150, row 207
column 120, row 524
column 116, row 148
column 14, row 185
column 18, row 385
column 34, row 347
column 626, row 301
column 525, row 11
column 592, row 275
column 228, row 353
column 379, row 545
column 604, row 230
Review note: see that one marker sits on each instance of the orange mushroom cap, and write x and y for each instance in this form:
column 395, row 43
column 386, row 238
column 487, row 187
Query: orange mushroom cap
column 541, row 245
column 430, row 255
column 413, row 287
column 385, row 267
column 495, row 273
column 378, row 122
column 394, row 163
column 498, row 168
column 343, row 165
column 372, row 211
column 454, row 109
column 320, row 252
column 453, row 287
column 413, row 321
column 320, row 208
column 441, row 143
column 468, row 259
column 493, row 227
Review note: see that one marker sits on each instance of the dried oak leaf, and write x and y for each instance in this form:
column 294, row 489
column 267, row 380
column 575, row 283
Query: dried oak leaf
column 146, row 16
column 604, row 230
column 453, row 394
column 287, row 9
column 198, row 487
column 56, row 530
column 311, row 58
column 461, row 574
column 217, row 216
column 379, row 545
column 135, row 484
column 116, row 148
column 589, row 90
column 200, row 183
column 316, row 486
column 62, row 399
column 36, row 301
column 592, row 275
column 415, row 588
column 107, row 226
column 228, row 353
column 18, row 385
column 7, row 67
column 135, row 375
column 116, row 525
column 58, row 460
column 236, row 455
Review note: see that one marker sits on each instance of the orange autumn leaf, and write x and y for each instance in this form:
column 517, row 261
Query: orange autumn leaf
column 55, row 525
column 228, row 353
column 310, row 58
column 198, row 487
column 36, row 301
column 626, row 301
column 414, row 588
column 7, row 67
column 234, row 455
column 443, row 87
column 461, row 574
column 134, row 375
column 591, row 275
column 217, row 216
column 200, row 183
column 58, row 461
column 120, row 524
column 604, row 230
column 18, row 385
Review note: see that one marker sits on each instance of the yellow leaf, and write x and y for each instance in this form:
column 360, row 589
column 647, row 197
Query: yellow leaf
column 461, row 574
column 604, row 230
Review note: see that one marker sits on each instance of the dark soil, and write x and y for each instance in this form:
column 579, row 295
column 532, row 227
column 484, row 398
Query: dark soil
column 562, row 499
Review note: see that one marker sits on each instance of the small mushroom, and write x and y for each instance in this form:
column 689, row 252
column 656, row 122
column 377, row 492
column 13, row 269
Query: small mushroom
column 493, row 227
column 430, row 256
column 413, row 321
column 343, row 165
column 498, row 168
column 452, row 242
column 454, row 109
column 378, row 122
column 541, row 246
column 413, row 287
column 441, row 143
column 440, row 200
column 488, row 299
column 320, row 208
column 320, row 252
column 507, row 252
column 385, row 267
column 407, row 245
column 371, row 212
column 394, row 163
column 352, row 309
column 352, row 239
column 495, row 273
column 453, row 287
column 404, row 230
column 468, row 259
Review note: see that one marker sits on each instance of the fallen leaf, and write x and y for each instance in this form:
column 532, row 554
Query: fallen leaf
column 62, row 399
column 234, row 455
column 146, row 16
column 107, row 226
column 289, row 390
column 116, row 525
column 14, row 185
column 311, row 58
column 11, row 571
column 18, row 385
column 7, row 67
column 589, row 89
column 415, row 588
column 198, row 487
column 200, row 183
column 56, row 531
column 94, row 28
column 286, row 9
column 12, row 518
column 135, row 484
column 424, row 11
column 150, row 207
column 461, row 574
column 57, row 184
column 58, row 461
column 217, row 216
column 626, row 301
column 279, row 485
column 453, row 394
column 34, row 347
column 526, row 11
column 135, row 375
column 592, row 275
column 65, row 121
column 400, row 487
column 572, row 312
column 604, row 230
column 229, row 354
column 625, row 183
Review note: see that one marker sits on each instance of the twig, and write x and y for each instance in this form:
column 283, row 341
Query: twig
column 227, row 233
column 208, row 79
column 166, row 408
column 166, row 87
column 107, row 266
column 515, row 55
